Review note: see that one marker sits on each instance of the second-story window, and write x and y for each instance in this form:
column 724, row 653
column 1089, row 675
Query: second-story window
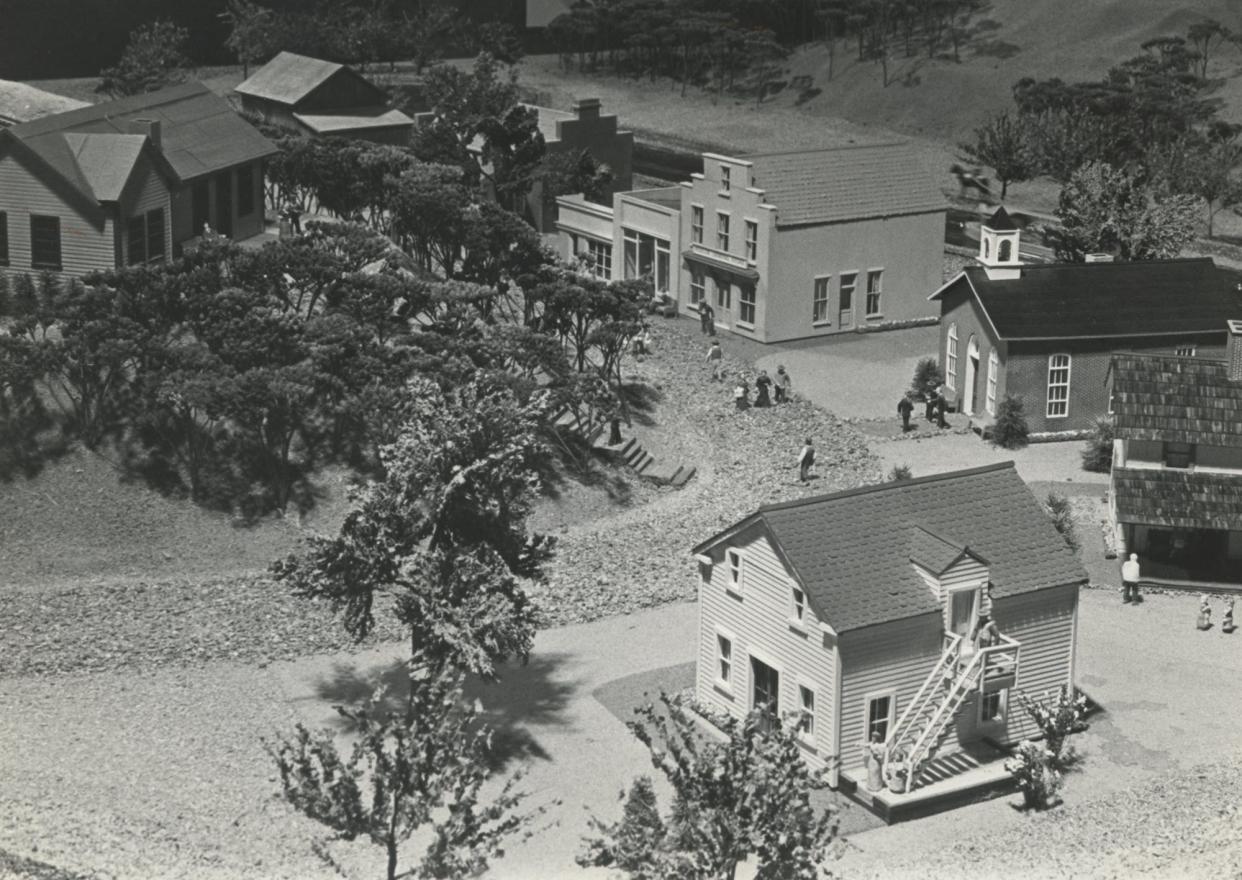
column 875, row 281
column 726, row 181
column 722, row 230
column 752, row 240
column 696, row 224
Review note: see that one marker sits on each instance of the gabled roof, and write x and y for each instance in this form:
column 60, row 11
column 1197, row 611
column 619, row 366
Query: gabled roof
column 106, row 161
column 1001, row 221
column 1182, row 399
column 1178, row 499
column 199, row 131
column 353, row 119
column 22, row 103
column 851, row 550
column 846, row 183
column 936, row 554
column 1097, row 300
column 288, row 78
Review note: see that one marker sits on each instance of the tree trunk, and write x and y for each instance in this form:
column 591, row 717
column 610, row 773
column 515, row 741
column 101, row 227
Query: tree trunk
column 392, row 859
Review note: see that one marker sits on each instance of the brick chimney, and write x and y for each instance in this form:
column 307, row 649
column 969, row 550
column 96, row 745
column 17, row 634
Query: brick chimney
column 1233, row 351
column 587, row 108
column 149, row 127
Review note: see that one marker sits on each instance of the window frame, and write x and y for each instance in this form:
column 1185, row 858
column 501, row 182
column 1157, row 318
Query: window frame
column 4, row 238
column 735, row 562
column 1186, row 351
column 752, row 240
column 845, row 291
column 1002, row 708
column 824, row 282
column 806, row 714
column 872, row 307
column 698, row 286
column 722, row 231
column 724, row 637
column 726, row 178
column 1167, row 456
column 890, row 721
column 993, row 379
column 724, row 294
column 950, row 357
column 797, row 608
column 600, row 267
column 155, row 221
column 1061, row 403
column 745, row 305
column 696, row 224
column 58, row 264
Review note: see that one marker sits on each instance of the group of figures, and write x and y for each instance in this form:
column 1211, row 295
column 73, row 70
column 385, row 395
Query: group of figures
column 1130, row 574
column 936, row 404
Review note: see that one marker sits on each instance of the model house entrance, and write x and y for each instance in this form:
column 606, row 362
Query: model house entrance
column 970, row 394
column 961, row 611
column 765, row 687
column 845, row 311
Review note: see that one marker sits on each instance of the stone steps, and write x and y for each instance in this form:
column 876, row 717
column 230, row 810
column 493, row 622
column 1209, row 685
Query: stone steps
column 631, row 452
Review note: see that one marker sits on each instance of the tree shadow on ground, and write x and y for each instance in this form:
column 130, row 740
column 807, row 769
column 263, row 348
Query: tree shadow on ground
column 641, row 400
column 525, row 695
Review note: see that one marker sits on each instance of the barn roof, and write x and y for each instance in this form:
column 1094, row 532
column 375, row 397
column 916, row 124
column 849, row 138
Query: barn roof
column 200, row 133
column 1178, row 499
column 852, row 550
column 288, row 78
column 845, row 183
column 1182, row 399
column 1097, row 300
column 353, row 119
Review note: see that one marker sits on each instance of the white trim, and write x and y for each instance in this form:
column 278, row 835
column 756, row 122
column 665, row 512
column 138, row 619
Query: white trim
column 703, row 559
column 1048, row 401
column 720, row 684
column 767, row 660
column 811, row 741
column 961, row 273
column 994, row 723
column 836, row 713
column 827, row 279
column 870, row 697
column 735, row 584
column 950, row 356
column 993, row 381
column 791, row 607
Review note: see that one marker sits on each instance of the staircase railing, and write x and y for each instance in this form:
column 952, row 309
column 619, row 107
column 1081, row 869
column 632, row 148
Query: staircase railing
column 922, row 699
column 962, row 685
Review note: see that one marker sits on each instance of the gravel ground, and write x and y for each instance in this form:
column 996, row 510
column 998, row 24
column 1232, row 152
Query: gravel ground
column 640, row 557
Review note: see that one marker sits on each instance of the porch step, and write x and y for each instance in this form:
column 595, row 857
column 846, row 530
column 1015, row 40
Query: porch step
column 683, row 476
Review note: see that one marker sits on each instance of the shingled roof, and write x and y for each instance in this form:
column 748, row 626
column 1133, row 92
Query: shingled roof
column 22, row 103
column 1181, row 399
column 846, row 183
column 1177, row 499
column 852, row 550
column 288, row 78
column 199, row 132
column 1097, row 300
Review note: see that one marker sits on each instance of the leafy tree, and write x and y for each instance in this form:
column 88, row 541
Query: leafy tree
column 628, row 845
column 927, row 376
column 1058, row 715
column 1206, row 36
column 569, row 173
column 418, row 772
column 251, row 31
column 1097, row 455
column 747, row 796
column 900, row 472
column 1004, row 144
column 1010, row 430
column 1062, row 515
column 444, row 533
column 153, row 58
column 1106, row 209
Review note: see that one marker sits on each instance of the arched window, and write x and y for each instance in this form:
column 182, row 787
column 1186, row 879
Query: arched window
column 1058, row 386
column 993, row 369
column 950, row 358
column 1004, row 250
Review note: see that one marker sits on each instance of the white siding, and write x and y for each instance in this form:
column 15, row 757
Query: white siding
column 758, row 620
column 86, row 244
column 146, row 191
column 897, row 656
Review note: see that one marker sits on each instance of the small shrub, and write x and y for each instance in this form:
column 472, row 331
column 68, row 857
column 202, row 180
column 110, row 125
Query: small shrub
column 1031, row 767
column 1062, row 515
column 900, row 472
column 1058, row 717
column 1097, row 456
column 1010, row 430
column 927, row 375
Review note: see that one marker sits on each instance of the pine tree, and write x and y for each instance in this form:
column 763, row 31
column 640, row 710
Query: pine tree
column 1010, row 429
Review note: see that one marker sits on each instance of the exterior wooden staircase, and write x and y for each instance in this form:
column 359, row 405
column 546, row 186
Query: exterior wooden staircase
column 630, row 453
column 925, row 722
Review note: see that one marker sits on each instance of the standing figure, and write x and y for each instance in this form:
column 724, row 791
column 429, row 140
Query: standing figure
column 783, row 384
column 874, row 759
column 715, row 357
column 904, row 408
column 1130, row 579
column 942, row 404
column 1226, row 623
column 762, row 384
column 930, row 399
column 741, row 392
column 707, row 318
column 806, row 458
column 1205, row 613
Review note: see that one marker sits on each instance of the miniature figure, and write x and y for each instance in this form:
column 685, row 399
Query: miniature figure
column 1205, row 613
column 1226, row 625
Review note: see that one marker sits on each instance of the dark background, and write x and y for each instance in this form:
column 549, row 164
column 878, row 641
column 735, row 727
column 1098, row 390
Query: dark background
column 45, row 39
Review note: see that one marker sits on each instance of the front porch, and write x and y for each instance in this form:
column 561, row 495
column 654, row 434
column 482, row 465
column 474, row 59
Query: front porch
column 974, row 773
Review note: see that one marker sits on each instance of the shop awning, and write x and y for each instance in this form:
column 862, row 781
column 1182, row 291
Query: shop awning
column 720, row 264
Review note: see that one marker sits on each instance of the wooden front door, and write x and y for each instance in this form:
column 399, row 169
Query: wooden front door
column 765, row 686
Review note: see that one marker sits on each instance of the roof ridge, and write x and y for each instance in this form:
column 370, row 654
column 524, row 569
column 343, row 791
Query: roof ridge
column 107, row 110
column 832, row 149
column 1114, row 263
column 890, row 485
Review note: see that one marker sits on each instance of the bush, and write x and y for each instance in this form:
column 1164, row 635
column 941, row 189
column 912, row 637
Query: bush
column 1010, row 430
column 900, row 472
column 1058, row 717
column 927, row 375
column 1062, row 515
column 1097, row 457
column 1031, row 767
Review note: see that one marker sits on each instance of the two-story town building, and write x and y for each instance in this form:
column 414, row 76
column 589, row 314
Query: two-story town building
column 127, row 181
column 1045, row 332
column 854, row 609
column 782, row 245
column 1175, row 492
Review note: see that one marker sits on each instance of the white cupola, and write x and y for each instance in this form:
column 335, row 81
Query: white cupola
column 998, row 247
